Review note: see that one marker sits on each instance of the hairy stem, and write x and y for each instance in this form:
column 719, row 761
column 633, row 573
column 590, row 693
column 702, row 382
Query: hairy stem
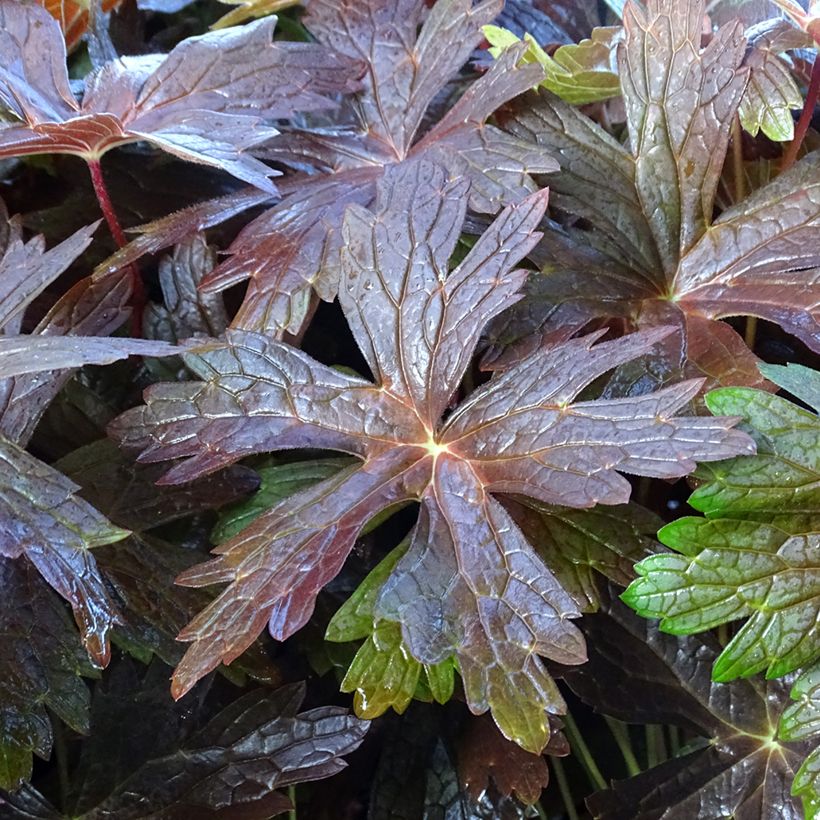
column 138, row 298
column 580, row 748
column 563, row 787
column 621, row 735
column 803, row 123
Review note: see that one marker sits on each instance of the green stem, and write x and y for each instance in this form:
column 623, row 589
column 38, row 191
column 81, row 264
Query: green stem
column 655, row 745
column 621, row 735
column 292, row 797
column 750, row 335
column 61, row 756
column 674, row 740
column 563, row 787
column 580, row 748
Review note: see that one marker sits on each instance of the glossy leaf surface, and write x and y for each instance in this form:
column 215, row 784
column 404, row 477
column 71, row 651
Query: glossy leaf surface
column 469, row 585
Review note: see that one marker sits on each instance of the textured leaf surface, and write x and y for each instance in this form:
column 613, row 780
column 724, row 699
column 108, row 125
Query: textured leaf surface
column 757, row 554
column 232, row 765
column 42, row 518
column 647, row 209
column 579, row 74
column 206, row 101
column 295, row 246
column 470, row 585
column 744, row 770
column 801, row 721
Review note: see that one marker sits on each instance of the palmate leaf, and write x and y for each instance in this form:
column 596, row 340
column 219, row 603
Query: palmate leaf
column 469, row 586
column 744, row 769
column 647, row 210
column 772, row 93
column 207, row 101
column 231, row 766
column 757, row 553
column 295, row 246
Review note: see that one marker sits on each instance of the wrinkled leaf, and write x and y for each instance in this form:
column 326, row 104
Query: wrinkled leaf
column 206, row 101
column 523, row 433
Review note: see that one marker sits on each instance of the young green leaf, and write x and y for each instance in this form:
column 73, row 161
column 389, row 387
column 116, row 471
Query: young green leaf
column 757, row 553
column 801, row 721
column 470, row 586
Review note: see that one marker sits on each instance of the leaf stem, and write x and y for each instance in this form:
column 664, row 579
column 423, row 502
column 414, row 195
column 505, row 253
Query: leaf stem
column 138, row 298
column 563, row 787
column 292, row 797
column 803, row 123
column 621, row 735
column 655, row 745
column 750, row 336
column 579, row 747
column 61, row 757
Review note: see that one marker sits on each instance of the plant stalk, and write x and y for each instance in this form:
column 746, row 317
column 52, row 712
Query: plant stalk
column 61, row 757
column 803, row 123
column 579, row 747
column 138, row 297
column 563, row 787
column 621, row 735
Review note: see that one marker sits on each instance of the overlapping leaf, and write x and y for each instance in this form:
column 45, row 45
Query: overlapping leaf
column 72, row 15
column 743, row 770
column 577, row 73
column 232, row 765
column 207, row 101
column 469, row 586
column 41, row 664
column 772, row 93
column 757, row 553
column 647, row 210
column 295, row 246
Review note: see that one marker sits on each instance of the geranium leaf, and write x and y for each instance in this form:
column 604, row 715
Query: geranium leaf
column 677, row 113
column 191, row 102
column 484, row 755
column 43, row 519
column 772, row 93
column 383, row 674
column 261, row 740
column 578, row 544
column 406, row 68
column 579, row 74
column 755, row 556
column 41, row 666
column 636, row 673
column 648, row 212
column 520, row 433
column 276, row 483
column 800, row 381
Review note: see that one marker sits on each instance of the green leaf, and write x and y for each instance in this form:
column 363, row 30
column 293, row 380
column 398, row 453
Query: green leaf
column 729, row 570
column 384, row 674
column 800, row 722
column 781, row 484
column 277, row 483
column 800, row 381
column 578, row 73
